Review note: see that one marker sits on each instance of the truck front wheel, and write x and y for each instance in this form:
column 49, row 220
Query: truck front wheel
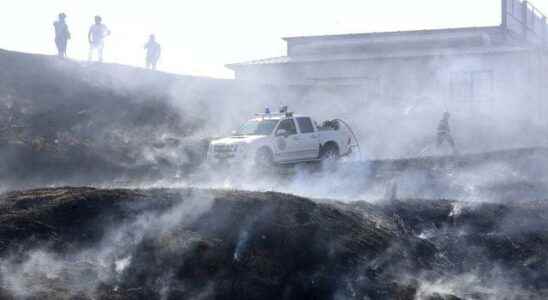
column 264, row 158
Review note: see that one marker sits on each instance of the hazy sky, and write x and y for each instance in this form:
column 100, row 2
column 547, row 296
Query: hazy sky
column 200, row 37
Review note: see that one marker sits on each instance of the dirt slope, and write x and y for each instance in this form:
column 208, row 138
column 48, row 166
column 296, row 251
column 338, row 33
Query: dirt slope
column 242, row 246
column 143, row 244
column 69, row 122
column 60, row 118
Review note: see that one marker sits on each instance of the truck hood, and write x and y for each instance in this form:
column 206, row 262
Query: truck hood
column 238, row 140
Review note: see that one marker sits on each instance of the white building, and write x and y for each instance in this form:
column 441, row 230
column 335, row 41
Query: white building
column 495, row 78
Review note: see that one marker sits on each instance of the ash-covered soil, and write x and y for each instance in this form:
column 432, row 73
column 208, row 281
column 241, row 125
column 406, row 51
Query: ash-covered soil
column 86, row 243
column 72, row 122
column 66, row 123
column 79, row 123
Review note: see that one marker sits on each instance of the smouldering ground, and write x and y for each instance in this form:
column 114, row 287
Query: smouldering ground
column 192, row 243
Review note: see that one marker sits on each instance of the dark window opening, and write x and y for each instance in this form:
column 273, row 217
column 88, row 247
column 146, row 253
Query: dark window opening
column 305, row 125
column 289, row 126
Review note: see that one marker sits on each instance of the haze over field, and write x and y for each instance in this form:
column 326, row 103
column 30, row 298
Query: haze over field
column 108, row 189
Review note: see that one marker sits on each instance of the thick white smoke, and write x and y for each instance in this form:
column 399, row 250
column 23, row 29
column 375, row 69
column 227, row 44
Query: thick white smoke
column 45, row 271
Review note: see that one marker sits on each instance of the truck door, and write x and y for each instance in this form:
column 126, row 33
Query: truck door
column 308, row 139
column 286, row 141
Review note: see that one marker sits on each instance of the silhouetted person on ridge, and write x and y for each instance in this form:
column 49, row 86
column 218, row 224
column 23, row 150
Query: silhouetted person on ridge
column 62, row 35
column 153, row 52
column 444, row 132
column 96, row 37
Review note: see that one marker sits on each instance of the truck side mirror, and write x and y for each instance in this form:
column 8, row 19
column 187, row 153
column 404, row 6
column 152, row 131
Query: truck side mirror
column 282, row 132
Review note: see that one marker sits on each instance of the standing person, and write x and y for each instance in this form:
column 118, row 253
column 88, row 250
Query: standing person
column 62, row 35
column 96, row 37
column 444, row 132
column 153, row 52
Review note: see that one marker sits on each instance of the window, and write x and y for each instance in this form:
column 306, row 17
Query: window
column 472, row 86
column 305, row 125
column 289, row 126
column 257, row 127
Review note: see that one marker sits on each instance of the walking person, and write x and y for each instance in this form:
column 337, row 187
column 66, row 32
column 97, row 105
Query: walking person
column 96, row 36
column 444, row 133
column 153, row 52
column 62, row 35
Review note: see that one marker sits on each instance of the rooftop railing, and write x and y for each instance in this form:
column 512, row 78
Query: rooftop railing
column 524, row 19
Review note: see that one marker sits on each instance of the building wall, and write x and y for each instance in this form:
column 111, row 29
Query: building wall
column 543, row 83
column 467, row 83
column 396, row 103
column 460, row 81
column 497, row 99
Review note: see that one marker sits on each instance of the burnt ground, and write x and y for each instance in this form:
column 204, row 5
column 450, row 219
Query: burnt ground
column 68, row 123
column 86, row 243
column 79, row 123
column 64, row 122
column 498, row 176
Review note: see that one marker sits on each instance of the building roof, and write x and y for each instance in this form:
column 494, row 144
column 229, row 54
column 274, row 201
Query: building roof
column 523, row 28
column 365, row 56
column 390, row 34
column 377, row 45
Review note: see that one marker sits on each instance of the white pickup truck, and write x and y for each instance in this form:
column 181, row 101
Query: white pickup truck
column 282, row 138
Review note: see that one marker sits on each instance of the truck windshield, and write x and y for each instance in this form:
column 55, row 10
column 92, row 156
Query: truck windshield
column 257, row 127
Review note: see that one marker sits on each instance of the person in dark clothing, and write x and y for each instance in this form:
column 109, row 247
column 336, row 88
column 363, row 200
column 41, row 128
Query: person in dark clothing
column 62, row 35
column 153, row 52
column 444, row 133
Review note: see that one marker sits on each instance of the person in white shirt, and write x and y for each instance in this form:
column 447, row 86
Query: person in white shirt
column 153, row 52
column 96, row 37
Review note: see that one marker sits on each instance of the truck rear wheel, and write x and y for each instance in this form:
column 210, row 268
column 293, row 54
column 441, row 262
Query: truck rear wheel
column 329, row 152
column 329, row 156
column 264, row 158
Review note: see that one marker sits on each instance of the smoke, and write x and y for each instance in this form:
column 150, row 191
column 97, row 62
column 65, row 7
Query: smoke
column 88, row 270
column 111, row 125
column 471, row 285
column 487, row 248
column 484, row 281
column 138, row 128
column 494, row 177
column 395, row 116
